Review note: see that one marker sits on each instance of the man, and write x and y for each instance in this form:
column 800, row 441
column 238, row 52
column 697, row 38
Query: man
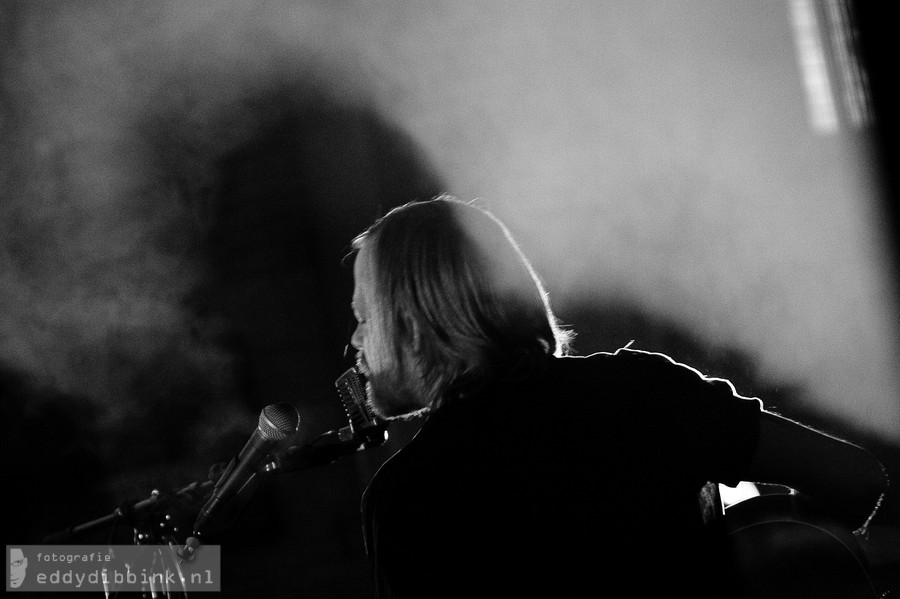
column 540, row 474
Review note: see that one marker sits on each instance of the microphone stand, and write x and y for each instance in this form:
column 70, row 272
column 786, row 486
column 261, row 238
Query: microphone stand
column 153, row 523
column 324, row 449
column 156, row 523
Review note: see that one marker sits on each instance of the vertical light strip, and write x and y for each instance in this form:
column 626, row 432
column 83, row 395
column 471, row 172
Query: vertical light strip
column 854, row 84
column 814, row 67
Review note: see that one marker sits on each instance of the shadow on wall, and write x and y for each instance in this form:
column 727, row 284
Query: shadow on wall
column 279, row 221
column 277, row 224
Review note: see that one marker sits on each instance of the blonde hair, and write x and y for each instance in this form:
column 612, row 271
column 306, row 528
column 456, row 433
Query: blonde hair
column 451, row 281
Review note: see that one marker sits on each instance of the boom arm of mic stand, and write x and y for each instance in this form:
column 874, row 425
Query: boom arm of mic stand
column 129, row 513
column 326, row 448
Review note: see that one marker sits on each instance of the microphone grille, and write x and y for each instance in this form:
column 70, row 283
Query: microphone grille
column 353, row 396
column 279, row 421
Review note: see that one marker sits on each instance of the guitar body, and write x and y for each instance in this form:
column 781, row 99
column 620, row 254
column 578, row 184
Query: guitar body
column 784, row 549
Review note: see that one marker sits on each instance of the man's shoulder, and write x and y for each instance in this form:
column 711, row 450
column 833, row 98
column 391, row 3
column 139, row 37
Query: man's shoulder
column 629, row 361
column 624, row 361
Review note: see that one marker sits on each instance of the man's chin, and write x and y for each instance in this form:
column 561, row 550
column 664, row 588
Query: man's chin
column 393, row 406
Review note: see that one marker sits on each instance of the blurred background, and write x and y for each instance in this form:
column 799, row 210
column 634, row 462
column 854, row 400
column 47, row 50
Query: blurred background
column 180, row 180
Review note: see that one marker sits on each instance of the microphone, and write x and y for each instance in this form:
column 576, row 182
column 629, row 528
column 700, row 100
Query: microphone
column 364, row 426
column 363, row 431
column 276, row 423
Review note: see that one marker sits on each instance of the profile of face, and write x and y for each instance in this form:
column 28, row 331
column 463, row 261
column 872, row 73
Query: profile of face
column 18, row 563
column 393, row 386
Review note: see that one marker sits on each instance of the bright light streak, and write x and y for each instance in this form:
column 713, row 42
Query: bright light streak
column 814, row 65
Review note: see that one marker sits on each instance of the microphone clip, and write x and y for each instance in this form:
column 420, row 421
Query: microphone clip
column 187, row 553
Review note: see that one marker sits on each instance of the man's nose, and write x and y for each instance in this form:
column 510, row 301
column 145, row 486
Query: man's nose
column 356, row 340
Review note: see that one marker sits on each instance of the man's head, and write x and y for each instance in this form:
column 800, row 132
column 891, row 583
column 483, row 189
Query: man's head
column 444, row 297
column 18, row 563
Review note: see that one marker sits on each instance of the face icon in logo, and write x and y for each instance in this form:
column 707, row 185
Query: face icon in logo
column 17, row 565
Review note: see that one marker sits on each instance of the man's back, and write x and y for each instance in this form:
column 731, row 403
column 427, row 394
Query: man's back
column 585, row 475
